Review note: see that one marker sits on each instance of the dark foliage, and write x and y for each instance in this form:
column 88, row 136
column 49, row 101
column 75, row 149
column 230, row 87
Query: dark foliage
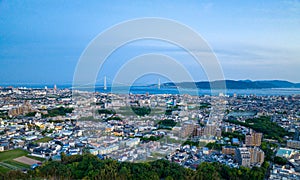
column 280, row 160
column 191, row 143
column 90, row 167
column 61, row 111
column 141, row 111
column 166, row 124
column 264, row 125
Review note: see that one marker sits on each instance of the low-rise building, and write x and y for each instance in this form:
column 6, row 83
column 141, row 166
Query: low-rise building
column 293, row 144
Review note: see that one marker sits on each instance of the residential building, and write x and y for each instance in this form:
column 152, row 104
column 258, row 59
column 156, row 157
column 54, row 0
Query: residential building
column 253, row 139
column 293, row 144
column 243, row 156
column 228, row 150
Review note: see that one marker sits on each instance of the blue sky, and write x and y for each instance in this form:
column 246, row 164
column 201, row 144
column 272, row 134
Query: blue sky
column 41, row 41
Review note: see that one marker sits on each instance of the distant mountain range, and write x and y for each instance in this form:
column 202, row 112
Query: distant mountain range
column 232, row 84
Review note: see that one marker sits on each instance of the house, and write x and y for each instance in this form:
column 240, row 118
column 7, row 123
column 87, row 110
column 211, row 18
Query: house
column 4, row 145
column 30, row 138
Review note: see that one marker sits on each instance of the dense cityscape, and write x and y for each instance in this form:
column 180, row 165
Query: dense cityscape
column 43, row 125
column 150, row 90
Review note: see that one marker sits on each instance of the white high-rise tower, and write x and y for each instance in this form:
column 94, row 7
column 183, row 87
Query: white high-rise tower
column 158, row 85
column 104, row 83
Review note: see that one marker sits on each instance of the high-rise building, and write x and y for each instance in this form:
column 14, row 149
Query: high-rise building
column 257, row 155
column 198, row 131
column 248, row 140
column 20, row 109
column 243, row 156
column 54, row 88
column 158, row 84
column 247, row 156
column 219, row 132
column 296, row 135
column 253, row 139
column 104, row 83
column 210, row 129
column 187, row 128
column 228, row 150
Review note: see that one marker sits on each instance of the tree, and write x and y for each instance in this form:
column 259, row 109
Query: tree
column 63, row 157
column 141, row 111
column 88, row 166
column 207, row 171
column 280, row 160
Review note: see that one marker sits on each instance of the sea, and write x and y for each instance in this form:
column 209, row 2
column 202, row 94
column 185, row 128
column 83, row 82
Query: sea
column 173, row 90
column 195, row 92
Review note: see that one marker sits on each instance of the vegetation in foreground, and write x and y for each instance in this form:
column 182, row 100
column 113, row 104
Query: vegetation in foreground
column 91, row 167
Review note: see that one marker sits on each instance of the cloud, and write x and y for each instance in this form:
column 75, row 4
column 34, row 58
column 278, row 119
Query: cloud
column 256, row 55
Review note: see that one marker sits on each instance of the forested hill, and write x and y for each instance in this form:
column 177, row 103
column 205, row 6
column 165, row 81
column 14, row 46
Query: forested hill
column 91, row 167
column 231, row 84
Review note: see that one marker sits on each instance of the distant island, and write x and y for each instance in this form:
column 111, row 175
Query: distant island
column 232, row 84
